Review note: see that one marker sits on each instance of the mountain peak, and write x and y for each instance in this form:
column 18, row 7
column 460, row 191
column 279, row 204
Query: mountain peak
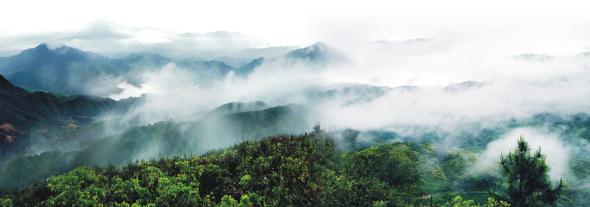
column 40, row 49
column 41, row 46
column 319, row 52
column 62, row 49
column 319, row 46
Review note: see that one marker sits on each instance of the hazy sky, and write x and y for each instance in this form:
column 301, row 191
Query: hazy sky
column 26, row 23
column 421, row 43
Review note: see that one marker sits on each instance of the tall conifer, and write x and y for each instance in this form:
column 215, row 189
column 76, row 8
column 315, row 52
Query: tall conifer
column 527, row 182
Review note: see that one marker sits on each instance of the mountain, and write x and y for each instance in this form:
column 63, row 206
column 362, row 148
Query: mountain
column 463, row 86
column 316, row 57
column 92, row 145
column 266, row 52
column 351, row 94
column 583, row 54
column 234, row 62
column 253, row 125
column 69, row 71
column 318, row 53
column 142, row 62
column 62, row 70
column 407, row 88
column 42, row 115
column 236, row 107
column 6, row 88
column 132, row 66
column 248, row 68
column 44, row 57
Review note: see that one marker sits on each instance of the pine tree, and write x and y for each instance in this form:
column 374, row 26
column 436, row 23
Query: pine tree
column 527, row 182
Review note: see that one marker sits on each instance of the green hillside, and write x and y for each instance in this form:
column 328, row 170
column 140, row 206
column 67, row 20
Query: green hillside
column 282, row 170
column 89, row 145
column 43, row 117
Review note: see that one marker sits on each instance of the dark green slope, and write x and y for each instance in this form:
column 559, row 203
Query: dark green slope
column 46, row 115
column 283, row 170
column 235, row 107
column 352, row 94
column 91, row 146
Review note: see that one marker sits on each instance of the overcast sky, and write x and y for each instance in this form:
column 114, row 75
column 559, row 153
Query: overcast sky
column 96, row 25
column 421, row 43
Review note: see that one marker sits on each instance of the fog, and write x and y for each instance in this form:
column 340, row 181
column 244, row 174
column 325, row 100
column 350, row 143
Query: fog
column 403, row 75
column 555, row 151
column 516, row 90
column 511, row 81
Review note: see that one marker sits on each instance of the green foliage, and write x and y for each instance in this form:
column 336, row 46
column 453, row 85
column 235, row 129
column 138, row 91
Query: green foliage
column 44, row 117
column 350, row 136
column 459, row 202
column 5, row 202
column 527, row 181
column 246, row 181
column 280, row 171
column 284, row 170
column 170, row 138
column 387, row 173
column 493, row 203
column 228, row 201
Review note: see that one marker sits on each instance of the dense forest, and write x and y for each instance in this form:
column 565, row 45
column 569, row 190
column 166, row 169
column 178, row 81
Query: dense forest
column 284, row 170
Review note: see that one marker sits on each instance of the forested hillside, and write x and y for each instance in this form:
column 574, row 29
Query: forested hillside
column 281, row 170
column 90, row 145
column 38, row 117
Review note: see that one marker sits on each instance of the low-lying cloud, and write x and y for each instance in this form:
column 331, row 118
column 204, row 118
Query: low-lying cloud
column 115, row 40
column 556, row 152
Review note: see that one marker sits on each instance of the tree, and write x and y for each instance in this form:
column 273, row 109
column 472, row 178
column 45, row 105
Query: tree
column 527, row 182
column 351, row 137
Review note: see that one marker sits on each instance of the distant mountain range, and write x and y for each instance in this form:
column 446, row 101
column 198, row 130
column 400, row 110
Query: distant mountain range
column 351, row 94
column 70, row 71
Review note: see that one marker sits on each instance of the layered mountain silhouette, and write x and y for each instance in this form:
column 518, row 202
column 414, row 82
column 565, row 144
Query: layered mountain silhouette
column 317, row 53
column 351, row 94
column 41, row 112
column 315, row 57
column 236, row 107
column 70, row 71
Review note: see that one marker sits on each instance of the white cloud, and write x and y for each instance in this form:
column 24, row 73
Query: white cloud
column 555, row 151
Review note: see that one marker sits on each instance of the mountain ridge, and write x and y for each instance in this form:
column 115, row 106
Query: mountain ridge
column 68, row 70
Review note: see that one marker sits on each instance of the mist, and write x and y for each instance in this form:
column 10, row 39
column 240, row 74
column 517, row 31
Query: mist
column 555, row 150
column 450, row 85
column 457, row 90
